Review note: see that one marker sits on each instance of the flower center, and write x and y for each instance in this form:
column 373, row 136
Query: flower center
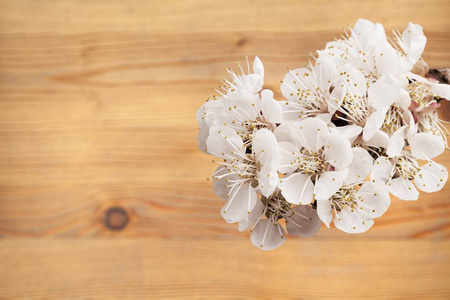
column 276, row 207
column 393, row 120
column 352, row 108
column 344, row 198
column 310, row 162
column 245, row 167
column 405, row 167
column 245, row 129
column 309, row 98
column 420, row 93
column 429, row 122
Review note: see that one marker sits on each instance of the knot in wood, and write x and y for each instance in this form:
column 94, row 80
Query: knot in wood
column 116, row 218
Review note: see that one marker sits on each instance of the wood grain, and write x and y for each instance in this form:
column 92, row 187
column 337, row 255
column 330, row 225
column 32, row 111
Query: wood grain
column 97, row 110
column 62, row 268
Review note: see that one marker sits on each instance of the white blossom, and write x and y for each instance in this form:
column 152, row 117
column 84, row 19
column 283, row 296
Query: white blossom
column 357, row 123
column 400, row 166
column 309, row 152
column 357, row 202
column 242, row 173
column 424, row 95
column 268, row 233
column 240, row 105
column 308, row 90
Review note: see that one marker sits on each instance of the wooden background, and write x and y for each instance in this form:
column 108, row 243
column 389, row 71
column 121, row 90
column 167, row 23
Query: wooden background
column 97, row 110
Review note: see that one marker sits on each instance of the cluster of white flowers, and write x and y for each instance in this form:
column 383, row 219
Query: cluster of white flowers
column 359, row 123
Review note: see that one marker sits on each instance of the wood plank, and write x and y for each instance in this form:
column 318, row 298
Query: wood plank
column 95, row 120
column 203, row 15
column 97, row 105
column 156, row 268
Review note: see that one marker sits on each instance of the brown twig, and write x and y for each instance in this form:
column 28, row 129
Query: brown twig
column 441, row 74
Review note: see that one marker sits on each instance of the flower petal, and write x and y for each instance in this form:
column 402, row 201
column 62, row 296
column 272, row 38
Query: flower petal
column 329, row 183
column 297, row 188
column 325, row 67
column 311, row 133
column 265, row 147
column 326, row 117
column 426, row 145
column 303, row 221
column 351, row 132
column 241, row 202
column 241, row 105
column 202, row 136
column 225, row 142
column 205, row 116
column 288, row 132
column 324, row 211
column 403, row 189
column 386, row 59
column 258, row 67
column 252, row 83
column 208, row 111
column 381, row 170
column 369, row 35
column 292, row 81
column 360, row 167
column 249, row 220
column 287, row 162
column 268, row 179
column 373, row 123
column 379, row 139
column 220, row 181
column 353, row 220
column 403, row 99
column 396, row 142
column 374, row 198
column 270, row 107
column 335, row 99
column 413, row 41
column 338, row 151
column 384, row 91
column 267, row 235
column 354, row 80
column 431, row 177
column 441, row 90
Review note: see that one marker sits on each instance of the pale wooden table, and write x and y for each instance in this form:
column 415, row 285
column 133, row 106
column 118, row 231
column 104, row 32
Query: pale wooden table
column 97, row 105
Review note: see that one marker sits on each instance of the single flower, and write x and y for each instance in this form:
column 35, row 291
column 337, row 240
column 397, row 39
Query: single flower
column 400, row 167
column 357, row 202
column 308, row 90
column 310, row 153
column 247, row 168
column 268, row 232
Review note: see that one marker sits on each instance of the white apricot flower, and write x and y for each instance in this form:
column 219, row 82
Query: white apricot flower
column 391, row 108
column 245, row 107
column 378, row 108
column 205, row 117
column 251, row 82
column 309, row 152
column 400, row 166
column 410, row 45
column 243, row 172
column 425, row 96
column 357, row 202
column 425, row 92
column 308, row 90
column 268, row 233
column 366, row 48
column 239, row 100
column 246, row 113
